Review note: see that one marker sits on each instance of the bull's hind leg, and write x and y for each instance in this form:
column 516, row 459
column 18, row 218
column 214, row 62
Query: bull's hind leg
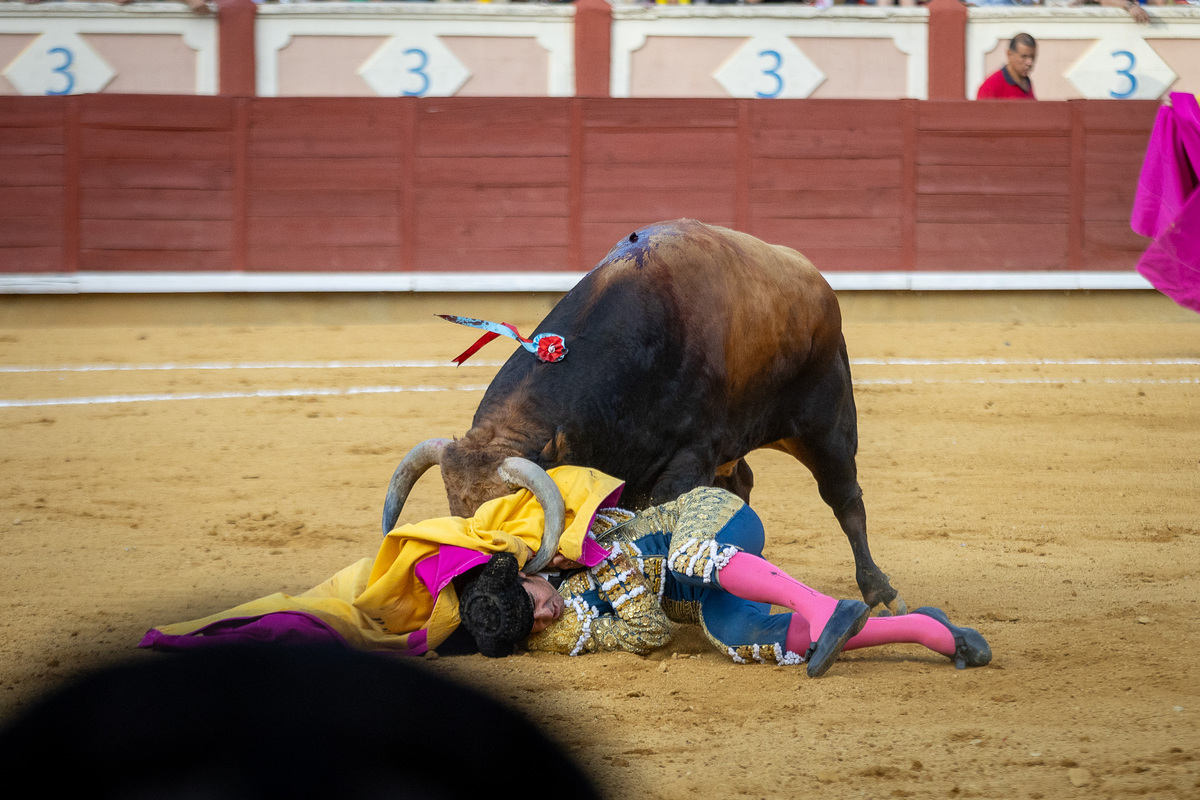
column 832, row 464
column 827, row 444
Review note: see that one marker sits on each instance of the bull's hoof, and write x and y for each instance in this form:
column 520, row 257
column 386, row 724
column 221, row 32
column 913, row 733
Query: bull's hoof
column 896, row 608
column 880, row 596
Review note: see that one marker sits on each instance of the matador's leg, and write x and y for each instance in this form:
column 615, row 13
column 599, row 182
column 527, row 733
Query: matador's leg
column 716, row 545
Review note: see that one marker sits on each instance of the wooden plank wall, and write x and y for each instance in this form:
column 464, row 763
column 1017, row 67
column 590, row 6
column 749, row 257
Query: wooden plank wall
column 1113, row 147
column 1033, row 186
column 993, row 186
column 833, row 179
column 33, row 199
column 324, row 180
column 657, row 160
column 491, row 184
column 134, row 182
column 155, row 180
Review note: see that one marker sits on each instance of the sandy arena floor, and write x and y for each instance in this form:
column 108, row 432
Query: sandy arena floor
column 1040, row 481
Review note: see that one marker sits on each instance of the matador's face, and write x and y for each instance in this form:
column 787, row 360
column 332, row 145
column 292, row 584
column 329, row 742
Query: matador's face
column 547, row 602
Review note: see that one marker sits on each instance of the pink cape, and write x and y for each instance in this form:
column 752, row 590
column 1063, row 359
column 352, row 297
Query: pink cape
column 1167, row 205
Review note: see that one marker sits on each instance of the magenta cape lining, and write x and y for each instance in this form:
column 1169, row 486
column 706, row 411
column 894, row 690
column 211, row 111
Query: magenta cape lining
column 1167, row 205
column 281, row 627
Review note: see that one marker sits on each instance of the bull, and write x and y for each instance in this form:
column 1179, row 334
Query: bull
column 689, row 345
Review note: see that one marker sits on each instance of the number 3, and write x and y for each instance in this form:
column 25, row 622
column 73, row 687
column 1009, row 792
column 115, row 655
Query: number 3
column 773, row 72
column 1128, row 73
column 418, row 70
column 62, row 68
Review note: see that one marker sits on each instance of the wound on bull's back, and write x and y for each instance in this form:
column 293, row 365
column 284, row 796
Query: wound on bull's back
column 635, row 246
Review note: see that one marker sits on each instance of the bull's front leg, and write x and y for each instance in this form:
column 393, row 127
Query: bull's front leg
column 686, row 470
column 736, row 477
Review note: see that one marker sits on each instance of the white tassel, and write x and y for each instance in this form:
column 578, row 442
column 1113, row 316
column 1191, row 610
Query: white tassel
column 611, row 583
column 586, row 614
column 787, row 657
column 691, row 567
column 623, row 599
column 711, row 562
column 721, row 559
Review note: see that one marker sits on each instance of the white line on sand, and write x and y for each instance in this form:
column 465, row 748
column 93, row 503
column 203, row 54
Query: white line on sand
column 902, row 362
column 354, row 390
column 161, row 397
column 1014, row 381
column 224, row 365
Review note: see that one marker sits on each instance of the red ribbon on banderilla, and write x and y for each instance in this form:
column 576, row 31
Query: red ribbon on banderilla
column 548, row 347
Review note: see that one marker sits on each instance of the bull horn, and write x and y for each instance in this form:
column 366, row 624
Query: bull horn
column 524, row 473
column 412, row 467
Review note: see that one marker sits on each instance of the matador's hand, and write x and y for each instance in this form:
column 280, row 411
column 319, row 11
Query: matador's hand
column 562, row 562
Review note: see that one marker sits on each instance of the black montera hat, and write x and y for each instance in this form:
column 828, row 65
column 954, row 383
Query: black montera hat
column 495, row 608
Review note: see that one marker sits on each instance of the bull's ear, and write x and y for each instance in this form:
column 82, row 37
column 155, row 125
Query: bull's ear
column 556, row 450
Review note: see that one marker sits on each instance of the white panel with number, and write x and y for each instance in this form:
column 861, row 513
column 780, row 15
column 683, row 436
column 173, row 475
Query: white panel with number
column 1103, row 54
column 769, row 66
column 1121, row 68
column 414, row 65
column 59, row 62
column 415, row 60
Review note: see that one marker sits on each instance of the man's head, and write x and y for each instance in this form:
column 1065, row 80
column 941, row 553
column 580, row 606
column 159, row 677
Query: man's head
column 501, row 606
column 1022, row 52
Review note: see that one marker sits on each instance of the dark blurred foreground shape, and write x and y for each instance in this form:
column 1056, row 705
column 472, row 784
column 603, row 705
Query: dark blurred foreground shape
column 263, row 722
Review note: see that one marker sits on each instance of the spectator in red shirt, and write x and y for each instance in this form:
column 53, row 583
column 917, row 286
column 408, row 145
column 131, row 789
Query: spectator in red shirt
column 1012, row 82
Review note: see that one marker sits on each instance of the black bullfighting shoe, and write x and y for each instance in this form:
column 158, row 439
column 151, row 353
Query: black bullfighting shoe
column 847, row 619
column 970, row 648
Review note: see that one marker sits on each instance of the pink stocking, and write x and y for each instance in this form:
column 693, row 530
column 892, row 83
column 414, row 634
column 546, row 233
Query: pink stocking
column 910, row 628
column 798, row 636
column 752, row 578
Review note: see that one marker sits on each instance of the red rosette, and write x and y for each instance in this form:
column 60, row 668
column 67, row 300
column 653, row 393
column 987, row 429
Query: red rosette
column 551, row 348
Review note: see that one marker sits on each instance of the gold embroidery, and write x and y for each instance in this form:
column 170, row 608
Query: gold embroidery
column 683, row 611
column 638, row 624
column 633, row 583
column 607, row 521
column 702, row 513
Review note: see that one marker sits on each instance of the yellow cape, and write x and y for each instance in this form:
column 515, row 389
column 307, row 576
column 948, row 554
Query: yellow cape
column 384, row 605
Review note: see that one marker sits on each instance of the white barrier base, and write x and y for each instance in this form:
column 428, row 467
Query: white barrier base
column 217, row 282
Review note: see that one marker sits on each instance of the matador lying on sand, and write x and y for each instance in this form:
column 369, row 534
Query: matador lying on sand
column 693, row 560
column 696, row 559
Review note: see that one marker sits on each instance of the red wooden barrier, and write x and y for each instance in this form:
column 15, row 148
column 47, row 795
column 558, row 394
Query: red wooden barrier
column 35, row 201
column 947, row 50
column 831, row 174
column 129, row 182
column 593, row 47
column 235, row 27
